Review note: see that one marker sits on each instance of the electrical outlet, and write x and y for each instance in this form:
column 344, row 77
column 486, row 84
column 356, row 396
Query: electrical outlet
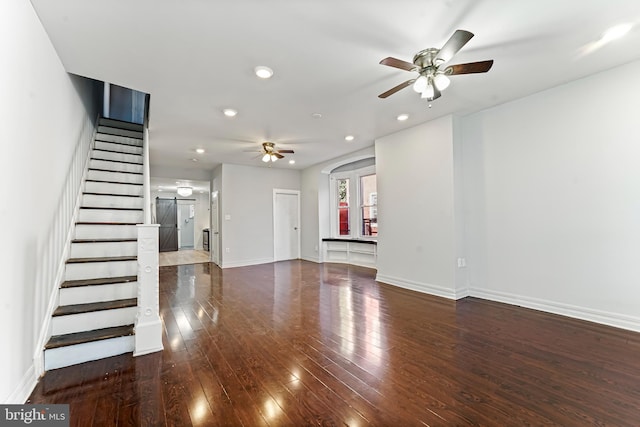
column 227, row 250
column 462, row 262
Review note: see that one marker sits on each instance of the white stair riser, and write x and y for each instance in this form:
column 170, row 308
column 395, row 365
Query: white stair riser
column 119, row 139
column 72, row 355
column 120, row 157
column 114, row 166
column 118, row 124
column 93, row 270
column 98, row 293
column 121, row 132
column 103, row 249
column 122, row 148
column 81, row 322
column 95, row 231
column 107, row 215
column 132, row 178
column 108, row 188
column 99, row 201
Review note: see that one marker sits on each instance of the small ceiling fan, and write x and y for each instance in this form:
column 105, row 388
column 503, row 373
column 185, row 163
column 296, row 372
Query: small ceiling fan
column 270, row 154
column 430, row 65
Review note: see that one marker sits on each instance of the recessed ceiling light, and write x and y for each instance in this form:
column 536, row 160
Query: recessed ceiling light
column 615, row 32
column 349, row 138
column 200, row 150
column 402, row 117
column 159, row 190
column 229, row 112
column 291, row 162
column 194, row 160
column 316, row 115
column 263, row 72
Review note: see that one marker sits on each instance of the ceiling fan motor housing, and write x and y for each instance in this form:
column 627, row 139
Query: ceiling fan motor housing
column 425, row 58
column 268, row 146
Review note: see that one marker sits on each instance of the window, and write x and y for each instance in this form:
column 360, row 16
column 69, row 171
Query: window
column 368, row 205
column 354, row 188
column 343, row 207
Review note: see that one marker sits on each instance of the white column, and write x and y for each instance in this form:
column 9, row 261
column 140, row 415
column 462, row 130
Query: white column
column 148, row 327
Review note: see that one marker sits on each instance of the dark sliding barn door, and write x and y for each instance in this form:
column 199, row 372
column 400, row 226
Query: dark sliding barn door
column 167, row 215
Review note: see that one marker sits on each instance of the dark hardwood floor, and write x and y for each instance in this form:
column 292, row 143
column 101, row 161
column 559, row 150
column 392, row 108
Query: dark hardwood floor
column 297, row 343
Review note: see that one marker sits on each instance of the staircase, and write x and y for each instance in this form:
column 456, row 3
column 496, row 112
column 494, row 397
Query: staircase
column 97, row 300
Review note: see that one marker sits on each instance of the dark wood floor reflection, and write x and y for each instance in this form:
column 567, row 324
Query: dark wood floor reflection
column 296, row 343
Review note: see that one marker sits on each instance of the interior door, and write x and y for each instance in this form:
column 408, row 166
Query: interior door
column 167, row 217
column 286, row 229
column 186, row 219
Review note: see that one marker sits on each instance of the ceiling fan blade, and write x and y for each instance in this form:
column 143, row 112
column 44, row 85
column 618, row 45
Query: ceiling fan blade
column 453, row 45
column 469, row 68
column 398, row 63
column 397, row 88
column 278, row 155
column 285, row 151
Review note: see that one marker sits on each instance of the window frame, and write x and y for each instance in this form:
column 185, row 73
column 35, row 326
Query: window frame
column 367, row 204
column 355, row 202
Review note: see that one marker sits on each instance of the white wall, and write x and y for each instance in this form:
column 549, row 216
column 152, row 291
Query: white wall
column 160, row 171
column 315, row 208
column 552, row 192
column 46, row 128
column 415, row 178
column 247, row 199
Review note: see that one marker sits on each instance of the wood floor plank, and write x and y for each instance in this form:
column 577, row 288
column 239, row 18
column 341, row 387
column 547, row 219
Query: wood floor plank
column 298, row 343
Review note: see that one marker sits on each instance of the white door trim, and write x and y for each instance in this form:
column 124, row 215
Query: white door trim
column 277, row 191
column 214, row 229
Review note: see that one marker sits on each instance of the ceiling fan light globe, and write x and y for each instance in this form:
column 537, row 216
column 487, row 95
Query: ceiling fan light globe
column 273, row 158
column 441, row 81
column 420, row 84
column 428, row 92
column 266, row 158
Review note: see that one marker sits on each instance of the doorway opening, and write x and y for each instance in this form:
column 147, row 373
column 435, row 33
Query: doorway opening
column 187, row 227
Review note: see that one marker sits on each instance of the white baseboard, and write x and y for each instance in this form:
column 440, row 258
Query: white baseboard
column 616, row 320
column 315, row 259
column 425, row 288
column 462, row 293
column 246, row 263
column 24, row 388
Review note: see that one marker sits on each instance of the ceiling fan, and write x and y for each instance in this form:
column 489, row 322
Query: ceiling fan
column 430, row 65
column 270, row 154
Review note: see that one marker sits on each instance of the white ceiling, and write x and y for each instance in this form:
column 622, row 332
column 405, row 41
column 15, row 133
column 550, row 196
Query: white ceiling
column 169, row 186
column 196, row 57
